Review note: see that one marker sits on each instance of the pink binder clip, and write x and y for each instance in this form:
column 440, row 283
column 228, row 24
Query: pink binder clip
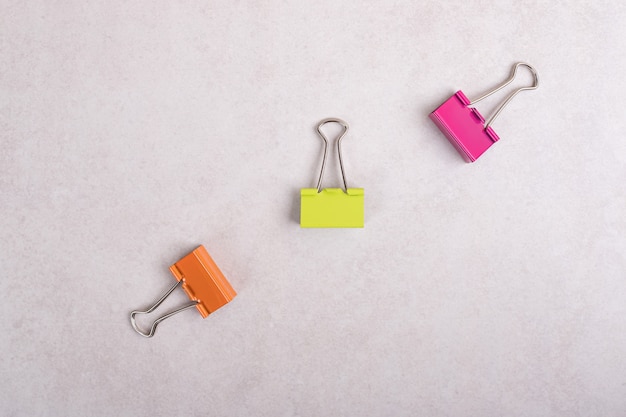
column 465, row 127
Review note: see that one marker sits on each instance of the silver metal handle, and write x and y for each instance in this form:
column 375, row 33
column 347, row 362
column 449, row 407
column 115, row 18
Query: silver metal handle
column 513, row 94
column 345, row 126
column 163, row 317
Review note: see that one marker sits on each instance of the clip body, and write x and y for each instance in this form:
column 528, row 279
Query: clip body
column 201, row 279
column 465, row 127
column 332, row 207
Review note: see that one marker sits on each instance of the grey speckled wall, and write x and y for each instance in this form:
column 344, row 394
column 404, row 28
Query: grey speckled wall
column 130, row 132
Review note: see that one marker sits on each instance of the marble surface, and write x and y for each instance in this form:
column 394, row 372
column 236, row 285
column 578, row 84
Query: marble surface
column 130, row 132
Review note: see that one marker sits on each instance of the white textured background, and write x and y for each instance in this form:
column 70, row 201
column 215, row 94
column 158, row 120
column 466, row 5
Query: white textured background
column 130, row 132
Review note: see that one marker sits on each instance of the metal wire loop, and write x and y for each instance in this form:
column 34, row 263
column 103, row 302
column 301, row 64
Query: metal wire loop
column 513, row 94
column 154, row 307
column 345, row 126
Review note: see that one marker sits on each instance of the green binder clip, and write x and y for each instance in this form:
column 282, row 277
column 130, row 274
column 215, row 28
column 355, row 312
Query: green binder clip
column 331, row 207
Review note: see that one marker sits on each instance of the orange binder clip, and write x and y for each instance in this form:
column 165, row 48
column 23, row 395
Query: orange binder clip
column 203, row 282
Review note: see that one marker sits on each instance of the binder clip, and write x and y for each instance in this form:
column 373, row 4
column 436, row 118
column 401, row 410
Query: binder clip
column 201, row 279
column 465, row 127
column 331, row 207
